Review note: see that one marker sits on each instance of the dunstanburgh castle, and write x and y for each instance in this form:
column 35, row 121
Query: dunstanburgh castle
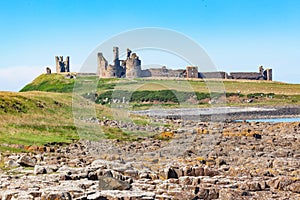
column 131, row 68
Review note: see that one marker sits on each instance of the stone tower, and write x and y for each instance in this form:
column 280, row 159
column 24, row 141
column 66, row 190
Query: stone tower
column 102, row 65
column 268, row 74
column 117, row 65
column 61, row 65
column 133, row 65
column 115, row 70
column 192, row 72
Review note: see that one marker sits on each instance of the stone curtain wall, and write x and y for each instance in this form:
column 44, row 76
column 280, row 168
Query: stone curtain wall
column 246, row 75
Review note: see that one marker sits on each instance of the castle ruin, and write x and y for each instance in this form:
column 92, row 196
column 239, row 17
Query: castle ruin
column 61, row 65
column 131, row 68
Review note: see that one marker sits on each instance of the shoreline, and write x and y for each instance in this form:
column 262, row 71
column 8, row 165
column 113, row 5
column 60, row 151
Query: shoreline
column 224, row 113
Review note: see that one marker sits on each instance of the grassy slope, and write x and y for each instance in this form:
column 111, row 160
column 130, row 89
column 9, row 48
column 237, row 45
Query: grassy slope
column 57, row 83
column 285, row 93
column 38, row 118
column 35, row 118
column 44, row 114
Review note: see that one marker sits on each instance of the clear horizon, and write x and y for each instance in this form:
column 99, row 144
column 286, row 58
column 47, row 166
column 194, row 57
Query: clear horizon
column 237, row 35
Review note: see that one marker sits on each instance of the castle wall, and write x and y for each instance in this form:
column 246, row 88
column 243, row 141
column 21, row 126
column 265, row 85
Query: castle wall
column 102, row 65
column 268, row 74
column 120, row 70
column 145, row 73
column 157, row 72
column 133, row 66
column 162, row 72
column 192, row 72
column 221, row 75
column 176, row 73
column 61, row 65
column 246, row 75
column 111, row 71
column 67, row 64
column 57, row 65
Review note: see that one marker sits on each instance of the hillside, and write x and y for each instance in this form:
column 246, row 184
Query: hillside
column 35, row 118
column 169, row 91
column 58, row 83
column 43, row 125
column 42, row 112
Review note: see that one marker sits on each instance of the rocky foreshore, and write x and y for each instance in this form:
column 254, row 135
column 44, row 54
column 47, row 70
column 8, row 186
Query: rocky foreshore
column 197, row 160
column 216, row 113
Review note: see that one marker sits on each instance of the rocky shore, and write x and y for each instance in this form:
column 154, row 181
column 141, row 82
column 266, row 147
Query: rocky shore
column 197, row 160
column 223, row 113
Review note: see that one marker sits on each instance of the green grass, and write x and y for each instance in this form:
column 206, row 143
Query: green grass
column 58, row 83
column 41, row 118
column 11, row 150
column 42, row 112
column 209, row 86
column 50, row 83
column 36, row 118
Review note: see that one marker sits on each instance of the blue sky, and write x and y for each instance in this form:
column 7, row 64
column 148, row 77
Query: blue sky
column 237, row 35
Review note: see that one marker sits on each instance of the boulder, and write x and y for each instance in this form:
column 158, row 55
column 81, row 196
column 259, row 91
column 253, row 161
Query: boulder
column 199, row 171
column 57, row 196
column 171, row 173
column 12, row 163
column 251, row 186
column 27, row 161
column 39, row 170
column 110, row 183
column 295, row 187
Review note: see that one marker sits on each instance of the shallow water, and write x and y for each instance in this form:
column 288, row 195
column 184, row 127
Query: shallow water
column 275, row 120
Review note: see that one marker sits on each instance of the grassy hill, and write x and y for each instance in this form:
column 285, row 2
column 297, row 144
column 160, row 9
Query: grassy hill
column 169, row 91
column 58, row 83
column 41, row 113
column 35, row 118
